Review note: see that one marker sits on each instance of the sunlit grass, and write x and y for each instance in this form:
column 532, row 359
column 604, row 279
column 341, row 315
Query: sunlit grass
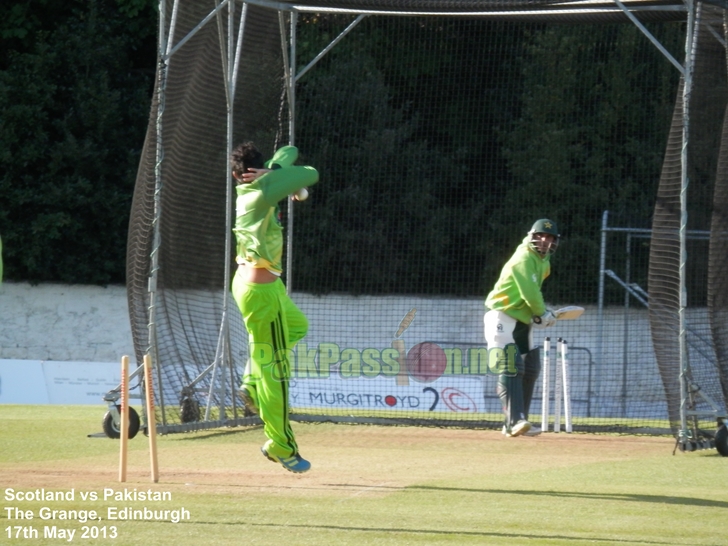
column 369, row 485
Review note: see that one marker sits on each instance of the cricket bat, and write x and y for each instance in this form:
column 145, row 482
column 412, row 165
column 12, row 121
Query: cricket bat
column 570, row 312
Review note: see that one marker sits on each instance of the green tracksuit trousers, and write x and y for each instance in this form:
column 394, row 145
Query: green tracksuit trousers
column 274, row 326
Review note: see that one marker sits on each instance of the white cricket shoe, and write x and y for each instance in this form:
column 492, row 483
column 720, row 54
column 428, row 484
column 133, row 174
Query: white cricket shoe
column 519, row 429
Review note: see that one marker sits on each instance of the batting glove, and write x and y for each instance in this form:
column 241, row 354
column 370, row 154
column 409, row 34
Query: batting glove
column 545, row 320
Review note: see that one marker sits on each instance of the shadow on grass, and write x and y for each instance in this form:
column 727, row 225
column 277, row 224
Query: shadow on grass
column 529, row 537
column 618, row 497
column 206, row 435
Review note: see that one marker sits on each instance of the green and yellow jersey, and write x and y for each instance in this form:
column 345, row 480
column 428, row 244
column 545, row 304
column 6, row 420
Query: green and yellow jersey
column 518, row 290
column 258, row 230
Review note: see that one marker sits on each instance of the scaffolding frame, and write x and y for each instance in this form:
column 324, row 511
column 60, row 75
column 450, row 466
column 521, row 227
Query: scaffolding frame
column 231, row 51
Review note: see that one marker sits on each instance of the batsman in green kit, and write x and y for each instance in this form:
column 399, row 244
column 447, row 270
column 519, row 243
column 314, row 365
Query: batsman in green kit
column 273, row 321
column 513, row 307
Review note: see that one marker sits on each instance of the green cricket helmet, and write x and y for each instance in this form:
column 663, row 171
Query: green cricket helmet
column 537, row 244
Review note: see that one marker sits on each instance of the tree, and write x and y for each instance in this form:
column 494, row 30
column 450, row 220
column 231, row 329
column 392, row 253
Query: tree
column 591, row 137
column 75, row 98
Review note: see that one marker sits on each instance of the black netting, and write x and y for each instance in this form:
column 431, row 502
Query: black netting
column 718, row 264
column 706, row 108
column 190, row 291
column 439, row 141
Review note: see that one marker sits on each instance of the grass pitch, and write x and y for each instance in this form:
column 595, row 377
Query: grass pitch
column 368, row 485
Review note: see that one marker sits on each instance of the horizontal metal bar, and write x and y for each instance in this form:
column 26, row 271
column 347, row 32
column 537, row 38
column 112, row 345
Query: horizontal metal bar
column 570, row 8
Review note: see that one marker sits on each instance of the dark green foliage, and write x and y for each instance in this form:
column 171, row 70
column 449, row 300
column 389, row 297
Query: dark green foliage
column 426, row 188
column 366, row 241
column 430, row 183
column 75, row 103
column 600, row 149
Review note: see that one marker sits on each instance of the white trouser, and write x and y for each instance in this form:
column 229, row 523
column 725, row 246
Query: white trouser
column 498, row 329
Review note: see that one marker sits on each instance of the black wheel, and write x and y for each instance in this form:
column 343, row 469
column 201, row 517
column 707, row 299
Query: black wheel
column 112, row 430
column 721, row 440
column 189, row 410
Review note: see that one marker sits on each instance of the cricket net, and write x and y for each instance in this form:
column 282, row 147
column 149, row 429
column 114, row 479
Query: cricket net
column 699, row 331
column 440, row 139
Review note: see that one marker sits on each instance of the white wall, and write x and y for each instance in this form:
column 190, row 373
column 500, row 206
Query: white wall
column 61, row 344
column 64, row 322
column 64, row 343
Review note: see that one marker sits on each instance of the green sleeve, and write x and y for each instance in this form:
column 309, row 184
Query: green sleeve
column 284, row 157
column 281, row 183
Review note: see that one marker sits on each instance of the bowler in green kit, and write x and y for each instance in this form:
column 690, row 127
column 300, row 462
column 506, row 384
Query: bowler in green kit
column 273, row 321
